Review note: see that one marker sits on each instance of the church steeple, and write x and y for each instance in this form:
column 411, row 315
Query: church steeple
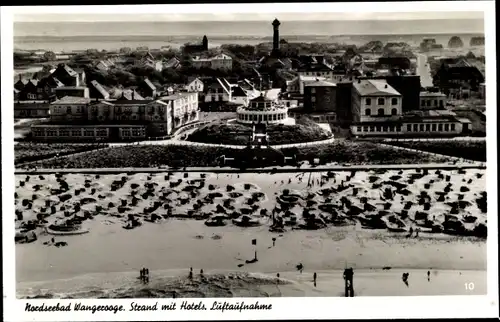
column 205, row 43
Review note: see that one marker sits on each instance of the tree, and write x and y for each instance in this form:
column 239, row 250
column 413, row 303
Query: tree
column 125, row 50
column 49, row 56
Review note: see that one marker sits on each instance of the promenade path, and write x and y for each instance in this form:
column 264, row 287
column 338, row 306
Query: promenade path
column 462, row 138
column 286, row 169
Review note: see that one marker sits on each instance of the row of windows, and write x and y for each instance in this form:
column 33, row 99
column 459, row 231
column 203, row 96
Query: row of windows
column 430, row 127
column 379, row 128
column 262, row 118
column 71, row 133
column 432, row 103
column 133, row 132
column 381, row 101
column 33, row 112
column 409, row 128
column 381, row 112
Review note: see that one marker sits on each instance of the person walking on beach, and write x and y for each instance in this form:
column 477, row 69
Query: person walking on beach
column 428, row 276
column 274, row 241
column 146, row 275
column 417, row 230
column 315, row 276
column 201, row 272
column 190, row 273
column 411, row 232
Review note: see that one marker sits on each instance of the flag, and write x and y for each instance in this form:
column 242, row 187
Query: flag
column 254, row 241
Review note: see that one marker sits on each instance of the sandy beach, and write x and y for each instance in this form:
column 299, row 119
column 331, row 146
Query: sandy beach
column 104, row 262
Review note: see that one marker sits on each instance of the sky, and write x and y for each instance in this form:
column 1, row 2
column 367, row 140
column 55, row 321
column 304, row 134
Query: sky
column 50, row 17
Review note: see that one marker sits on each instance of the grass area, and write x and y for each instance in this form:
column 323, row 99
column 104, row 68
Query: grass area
column 190, row 156
column 304, row 130
column 141, row 156
column 472, row 150
column 28, row 151
column 216, row 116
column 360, row 153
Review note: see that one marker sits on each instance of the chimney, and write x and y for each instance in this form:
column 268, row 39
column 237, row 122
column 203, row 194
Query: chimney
column 133, row 94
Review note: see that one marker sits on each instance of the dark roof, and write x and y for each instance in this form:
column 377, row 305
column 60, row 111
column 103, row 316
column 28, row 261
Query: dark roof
column 130, row 102
column 314, row 68
column 261, row 98
column 100, row 88
column 238, row 91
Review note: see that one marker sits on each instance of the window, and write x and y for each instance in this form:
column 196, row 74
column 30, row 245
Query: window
column 380, row 112
column 447, row 127
column 422, row 127
column 68, row 110
column 453, row 127
column 435, row 103
column 365, row 128
column 391, row 128
column 372, row 128
column 415, row 127
column 428, row 127
column 76, row 132
column 386, row 128
column 433, row 127
column 359, row 128
column 440, row 127
column 398, row 128
column 368, row 112
column 379, row 128
column 394, row 111
column 381, row 101
column 394, row 101
column 368, row 101
column 441, row 103
column 408, row 127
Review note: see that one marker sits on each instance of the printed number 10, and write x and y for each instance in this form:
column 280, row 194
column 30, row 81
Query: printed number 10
column 469, row 286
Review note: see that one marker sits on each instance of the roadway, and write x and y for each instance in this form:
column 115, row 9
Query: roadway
column 286, row 169
column 424, row 70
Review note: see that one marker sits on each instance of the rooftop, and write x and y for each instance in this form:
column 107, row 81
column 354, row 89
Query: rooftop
column 176, row 96
column 429, row 94
column 372, row 87
column 72, row 100
column 320, row 83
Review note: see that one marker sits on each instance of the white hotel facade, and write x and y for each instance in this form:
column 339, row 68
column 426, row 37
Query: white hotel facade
column 77, row 118
column 377, row 111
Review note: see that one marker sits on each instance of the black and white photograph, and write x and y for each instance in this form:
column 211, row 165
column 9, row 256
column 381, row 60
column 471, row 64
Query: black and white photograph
column 209, row 161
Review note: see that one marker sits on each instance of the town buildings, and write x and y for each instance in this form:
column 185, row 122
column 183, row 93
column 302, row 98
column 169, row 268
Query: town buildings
column 196, row 48
column 78, row 118
column 377, row 111
column 430, row 100
column 458, row 78
column 219, row 62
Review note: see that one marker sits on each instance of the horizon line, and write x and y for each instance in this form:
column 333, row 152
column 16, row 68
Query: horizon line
column 239, row 21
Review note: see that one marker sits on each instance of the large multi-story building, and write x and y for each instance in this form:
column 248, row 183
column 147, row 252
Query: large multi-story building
column 377, row 111
column 77, row 118
column 374, row 100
